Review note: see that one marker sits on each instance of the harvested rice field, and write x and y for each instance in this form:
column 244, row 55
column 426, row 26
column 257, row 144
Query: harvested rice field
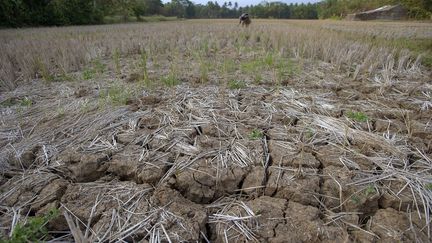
column 204, row 131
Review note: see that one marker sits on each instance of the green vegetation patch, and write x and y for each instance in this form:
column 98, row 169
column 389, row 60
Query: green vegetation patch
column 236, row 84
column 251, row 66
column 418, row 46
column 256, row 134
column 97, row 67
column 370, row 190
column 170, row 80
column 34, row 230
column 25, row 102
column 421, row 47
column 88, row 74
column 357, row 116
column 115, row 95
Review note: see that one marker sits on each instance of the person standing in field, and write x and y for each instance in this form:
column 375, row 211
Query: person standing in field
column 245, row 20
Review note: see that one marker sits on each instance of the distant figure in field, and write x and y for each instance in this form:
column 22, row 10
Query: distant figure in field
column 245, row 20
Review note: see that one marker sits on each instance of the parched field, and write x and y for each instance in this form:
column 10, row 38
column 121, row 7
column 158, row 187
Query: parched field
column 203, row 131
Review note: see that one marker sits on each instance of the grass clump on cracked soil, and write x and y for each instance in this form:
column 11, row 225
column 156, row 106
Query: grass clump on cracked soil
column 357, row 116
column 33, row 230
column 236, row 84
column 291, row 131
column 256, row 134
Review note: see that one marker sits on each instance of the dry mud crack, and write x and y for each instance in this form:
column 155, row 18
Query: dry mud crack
column 210, row 164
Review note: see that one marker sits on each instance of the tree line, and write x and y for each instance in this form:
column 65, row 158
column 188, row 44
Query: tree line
column 18, row 13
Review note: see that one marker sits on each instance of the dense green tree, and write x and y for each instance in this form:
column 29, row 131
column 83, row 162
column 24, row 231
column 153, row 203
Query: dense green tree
column 180, row 8
column 17, row 13
column 146, row 7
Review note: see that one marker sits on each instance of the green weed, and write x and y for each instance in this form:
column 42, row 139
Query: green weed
column 256, row 134
column 65, row 77
column 355, row 199
column 115, row 95
column 44, row 71
column 60, row 112
column 357, row 116
column 143, row 65
column 26, row 102
column 257, row 78
column 116, row 57
column 251, row 66
column 286, row 67
column 21, row 104
column 419, row 46
column 34, row 230
column 310, row 133
column 170, row 80
column 8, row 103
column 205, row 48
column 204, row 70
column 429, row 186
column 85, row 106
column 229, row 66
column 88, row 74
column 235, row 84
column 269, row 60
column 98, row 66
column 370, row 190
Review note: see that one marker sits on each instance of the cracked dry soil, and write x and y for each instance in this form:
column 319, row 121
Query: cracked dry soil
column 184, row 165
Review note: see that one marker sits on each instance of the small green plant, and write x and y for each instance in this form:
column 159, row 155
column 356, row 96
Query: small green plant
column 355, row 199
column 256, row 134
column 26, row 102
column 85, row 106
column 357, row 116
column 287, row 67
column 370, row 190
column 205, row 47
column 65, row 77
column 429, row 186
column 60, row 112
column 44, row 71
column 170, row 80
column 252, row 66
column 143, row 64
column 8, row 103
column 204, row 70
column 99, row 67
column 258, row 211
column 310, row 133
column 269, row 60
column 115, row 95
column 229, row 66
column 257, row 78
column 88, row 74
column 235, row 84
column 116, row 57
column 34, row 230
column 144, row 70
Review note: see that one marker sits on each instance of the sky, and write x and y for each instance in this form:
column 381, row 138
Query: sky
column 243, row 3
